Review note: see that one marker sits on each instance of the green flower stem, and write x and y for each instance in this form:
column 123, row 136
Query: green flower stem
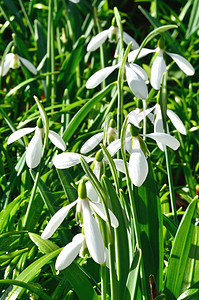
column 25, row 221
column 94, row 181
column 163, row 106
column 102, row 60
column 132, row 204
column 119, row 24
column 103, row 282
column 27, row 19
column 120, row 90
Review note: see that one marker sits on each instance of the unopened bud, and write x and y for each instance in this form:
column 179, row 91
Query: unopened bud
column 39, row 123
column 161, row 43
column 134, row 130
column 99, row 155
column 82, row 193
column 143, row 146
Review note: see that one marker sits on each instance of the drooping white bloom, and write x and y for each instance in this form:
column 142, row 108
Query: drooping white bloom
column 69, row 159
column 138, row 167
column 135, row 76
column 13, row 61
column 159, row 66
column 35, row 147
column 101, row 37
column 94, row 140
column 92, row 238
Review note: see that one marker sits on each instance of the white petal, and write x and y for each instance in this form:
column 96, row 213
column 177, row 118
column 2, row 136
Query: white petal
column 137, row 69
column 119, row 163
column 114, row 147
column 127, row 39
column 138, row 167
column 99, row 209
column 69, row 252
column 57, row 140
column 34, row 150
column 7, row 63
column 157, row 70
column 136, row 83
column 182, row 63
column 93, row 235
column 97, row 40
column 28, row 65
column 158, row 127
column 56, row 220
column 75, row 1
column 92, row 142
column 128, row 144
column 177, row 123
column 165, row 139
column 91, row 192
column 99, row 76
column 144, row 51
column 137, row 115
column 68, row 159
column 18, row 134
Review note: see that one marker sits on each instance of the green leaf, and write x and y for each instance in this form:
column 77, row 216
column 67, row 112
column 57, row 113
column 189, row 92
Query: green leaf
column 131, row 284
column 66, row 181
column 28, row 274
column 83, row 112
column 121, row 236
column 150, row 221
column 189, row 294
column 194, row 20
column 29, row 286
column 44, row 246
column 180, row 252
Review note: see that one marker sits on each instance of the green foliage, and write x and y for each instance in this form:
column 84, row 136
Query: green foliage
column 153, row 253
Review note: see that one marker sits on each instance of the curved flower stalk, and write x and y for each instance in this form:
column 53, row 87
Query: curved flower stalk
column 92, row 142
column 69, row 159
column 13, row 61
column 35, row 147
column 159, row 66
column 112, row 34
column 135, row 76
column 91, row 239
column 135, row 146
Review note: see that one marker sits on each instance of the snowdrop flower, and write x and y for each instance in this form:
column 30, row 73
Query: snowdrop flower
column 69, row 159
column 13, row 61
column 92, row 238
column 135, row 76
column 159, row 66
column 112, row 34
column 35, row 147
column 135, row 146
column 175, row 120
column 92, row 142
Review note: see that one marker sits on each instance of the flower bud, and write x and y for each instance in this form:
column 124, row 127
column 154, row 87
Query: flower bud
column 82, row 193
column 99, row 155
column 39, row 123
column 143, row 146
column 134, row 130
column 161, row 43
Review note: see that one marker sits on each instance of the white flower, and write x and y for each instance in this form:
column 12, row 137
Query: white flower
column 159, row 66
column 101, row 37
column 138, row 167
column 94, row 140
column 92, row 237
column 13, row 61
column 69, row 159
column 135, row 75
column 35, row 147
